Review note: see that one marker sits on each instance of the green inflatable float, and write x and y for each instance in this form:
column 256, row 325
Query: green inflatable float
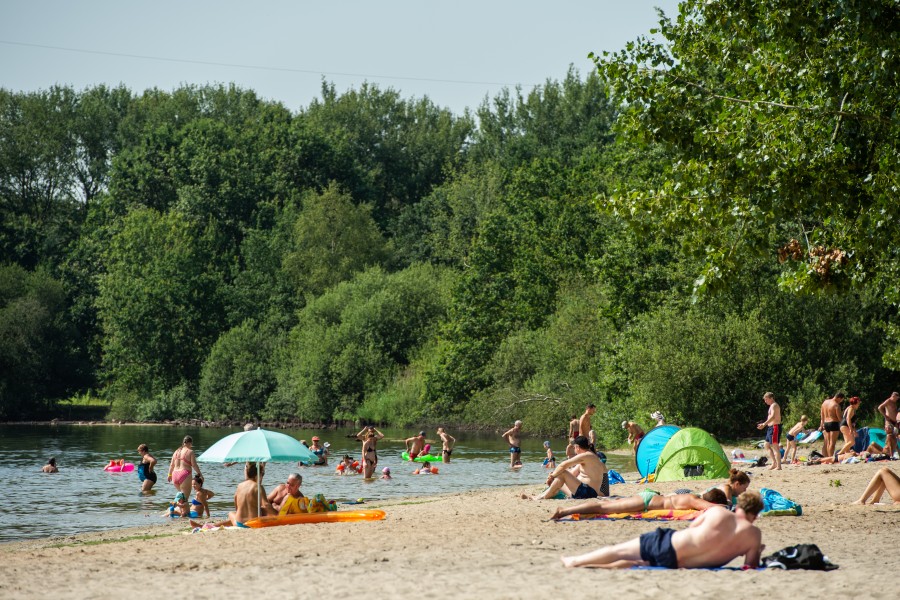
column 421, row 457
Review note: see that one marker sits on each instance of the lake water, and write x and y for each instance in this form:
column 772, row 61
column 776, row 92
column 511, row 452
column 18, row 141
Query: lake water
column 83, row 498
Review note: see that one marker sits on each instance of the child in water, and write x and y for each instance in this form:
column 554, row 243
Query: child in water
column 426, row 469
column 200, row 501
column 550, row 461
column 386, row 473
column 179, row 506
column 792, row 439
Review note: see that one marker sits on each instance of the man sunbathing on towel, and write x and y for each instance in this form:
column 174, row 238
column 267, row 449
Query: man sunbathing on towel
column 644, row 501
column 713, row 539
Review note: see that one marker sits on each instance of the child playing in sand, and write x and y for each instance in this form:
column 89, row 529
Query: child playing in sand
column 386, row 473
column 790, row 452
column 200, row 501
column 550, row 461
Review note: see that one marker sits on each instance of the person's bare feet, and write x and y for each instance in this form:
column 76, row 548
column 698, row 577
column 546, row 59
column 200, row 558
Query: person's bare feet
column 568, row 562
column 858, row 502
column 195, row 523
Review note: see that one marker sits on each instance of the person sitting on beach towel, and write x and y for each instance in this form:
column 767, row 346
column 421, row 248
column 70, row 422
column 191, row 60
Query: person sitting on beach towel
column 644, row 501
column 713, row 539
column 589, row 478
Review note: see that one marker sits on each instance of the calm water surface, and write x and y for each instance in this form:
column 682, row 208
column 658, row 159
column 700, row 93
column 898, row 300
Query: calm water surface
column 83, row 498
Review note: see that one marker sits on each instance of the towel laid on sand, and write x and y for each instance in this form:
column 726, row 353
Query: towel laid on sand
column 648, row 515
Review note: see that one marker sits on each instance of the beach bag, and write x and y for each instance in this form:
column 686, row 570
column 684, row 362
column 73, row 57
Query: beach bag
column 801, row 556
column 615, row 477
column 317, row 504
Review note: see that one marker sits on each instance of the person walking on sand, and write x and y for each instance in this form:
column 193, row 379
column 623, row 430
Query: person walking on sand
column 50, row 467
column 644, row 501
column 883, row 481
column 830, row 422
column 585, row 428
column 447, row 442
column 635, row 434
column 848, row 424
column 888, row 410
column 587, row 479
column 183, row 461
column 772, row 426
column 515, row 450
column 246, row 506
column 146, row 469
column 712, row 540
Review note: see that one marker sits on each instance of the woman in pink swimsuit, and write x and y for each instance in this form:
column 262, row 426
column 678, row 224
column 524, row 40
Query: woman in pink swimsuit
column 183, row 460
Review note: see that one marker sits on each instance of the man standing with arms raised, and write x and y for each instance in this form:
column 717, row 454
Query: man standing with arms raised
column 772, row 426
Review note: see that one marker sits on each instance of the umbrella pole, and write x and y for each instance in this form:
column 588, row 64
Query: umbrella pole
column 258, row 489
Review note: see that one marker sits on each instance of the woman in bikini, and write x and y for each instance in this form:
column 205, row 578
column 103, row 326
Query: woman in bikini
column 183, row 460
column 369, row 455
column 848, row 424
column 738, row 482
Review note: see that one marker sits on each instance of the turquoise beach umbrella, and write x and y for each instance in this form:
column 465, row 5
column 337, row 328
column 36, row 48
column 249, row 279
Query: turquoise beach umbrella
column 258, row 445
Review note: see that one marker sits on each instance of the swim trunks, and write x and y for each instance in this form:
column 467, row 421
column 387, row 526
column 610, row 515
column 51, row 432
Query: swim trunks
column 584, row 492
column 657, row 550
column 515, row 450
column 179, row 476
column 789, row 437
column 773, row 434
column 831, row 426
column 647, row 495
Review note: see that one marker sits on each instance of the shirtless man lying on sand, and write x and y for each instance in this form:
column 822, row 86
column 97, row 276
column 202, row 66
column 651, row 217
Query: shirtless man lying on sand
column 245, row 502
column 713, row 539
column 587, row 479
column 646, row 500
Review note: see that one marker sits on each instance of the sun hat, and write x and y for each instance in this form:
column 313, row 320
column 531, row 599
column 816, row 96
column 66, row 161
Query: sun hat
column 179, row 496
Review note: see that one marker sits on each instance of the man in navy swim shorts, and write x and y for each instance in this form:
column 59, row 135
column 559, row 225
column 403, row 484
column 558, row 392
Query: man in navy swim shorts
column 714, row 539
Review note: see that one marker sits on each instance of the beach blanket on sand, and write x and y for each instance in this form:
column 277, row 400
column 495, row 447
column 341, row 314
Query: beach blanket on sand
column 649, row 515
column 776, row 505
column 698, row 569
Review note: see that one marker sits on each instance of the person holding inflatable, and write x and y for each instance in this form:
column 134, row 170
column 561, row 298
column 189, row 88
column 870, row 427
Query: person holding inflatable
column 415, row 445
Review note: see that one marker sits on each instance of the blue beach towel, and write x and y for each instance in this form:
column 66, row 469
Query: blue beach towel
column 775, row 504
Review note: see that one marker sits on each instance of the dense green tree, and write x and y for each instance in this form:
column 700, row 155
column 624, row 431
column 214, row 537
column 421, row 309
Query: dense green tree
column 238, row 376
column 785, row 143
column 354, row 338
column 333, row 238
column 158, row 305
column 35, row 343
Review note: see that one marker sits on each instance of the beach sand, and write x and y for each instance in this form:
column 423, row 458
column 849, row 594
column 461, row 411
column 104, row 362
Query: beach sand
column 485, row 543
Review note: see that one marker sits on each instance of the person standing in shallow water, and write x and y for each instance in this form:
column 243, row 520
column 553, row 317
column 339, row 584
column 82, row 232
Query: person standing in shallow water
column 50, row 467
column 515, row 450
column 146, row 468
column 183, row 461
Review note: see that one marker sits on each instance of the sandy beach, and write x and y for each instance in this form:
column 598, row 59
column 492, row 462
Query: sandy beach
column 484, row 543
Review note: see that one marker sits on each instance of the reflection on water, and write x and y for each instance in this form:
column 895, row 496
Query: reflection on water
column 83, row 498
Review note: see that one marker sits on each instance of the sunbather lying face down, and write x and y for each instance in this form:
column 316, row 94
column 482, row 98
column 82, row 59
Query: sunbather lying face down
column 646, row 500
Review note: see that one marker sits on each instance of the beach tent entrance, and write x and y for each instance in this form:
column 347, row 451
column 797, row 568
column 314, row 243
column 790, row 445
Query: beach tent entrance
column 692, row 453
column 651, row 445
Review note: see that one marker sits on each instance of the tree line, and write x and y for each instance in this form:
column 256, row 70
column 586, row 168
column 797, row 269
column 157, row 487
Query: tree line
column 707, row 217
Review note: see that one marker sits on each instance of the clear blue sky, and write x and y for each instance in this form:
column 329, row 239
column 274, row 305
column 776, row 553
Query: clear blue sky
column 456, row 53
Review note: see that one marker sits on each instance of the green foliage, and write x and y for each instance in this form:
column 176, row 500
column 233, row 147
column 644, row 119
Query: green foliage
column 351, row 341
column 238, row 376
column 789, row 134
column 332, row 240
column 35, row 342
column 157, row 304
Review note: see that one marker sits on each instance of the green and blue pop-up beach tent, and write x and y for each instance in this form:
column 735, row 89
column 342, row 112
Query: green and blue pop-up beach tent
column 692, row 453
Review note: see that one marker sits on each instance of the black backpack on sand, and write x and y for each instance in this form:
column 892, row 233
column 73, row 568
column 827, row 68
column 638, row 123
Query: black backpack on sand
column 801, row 556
